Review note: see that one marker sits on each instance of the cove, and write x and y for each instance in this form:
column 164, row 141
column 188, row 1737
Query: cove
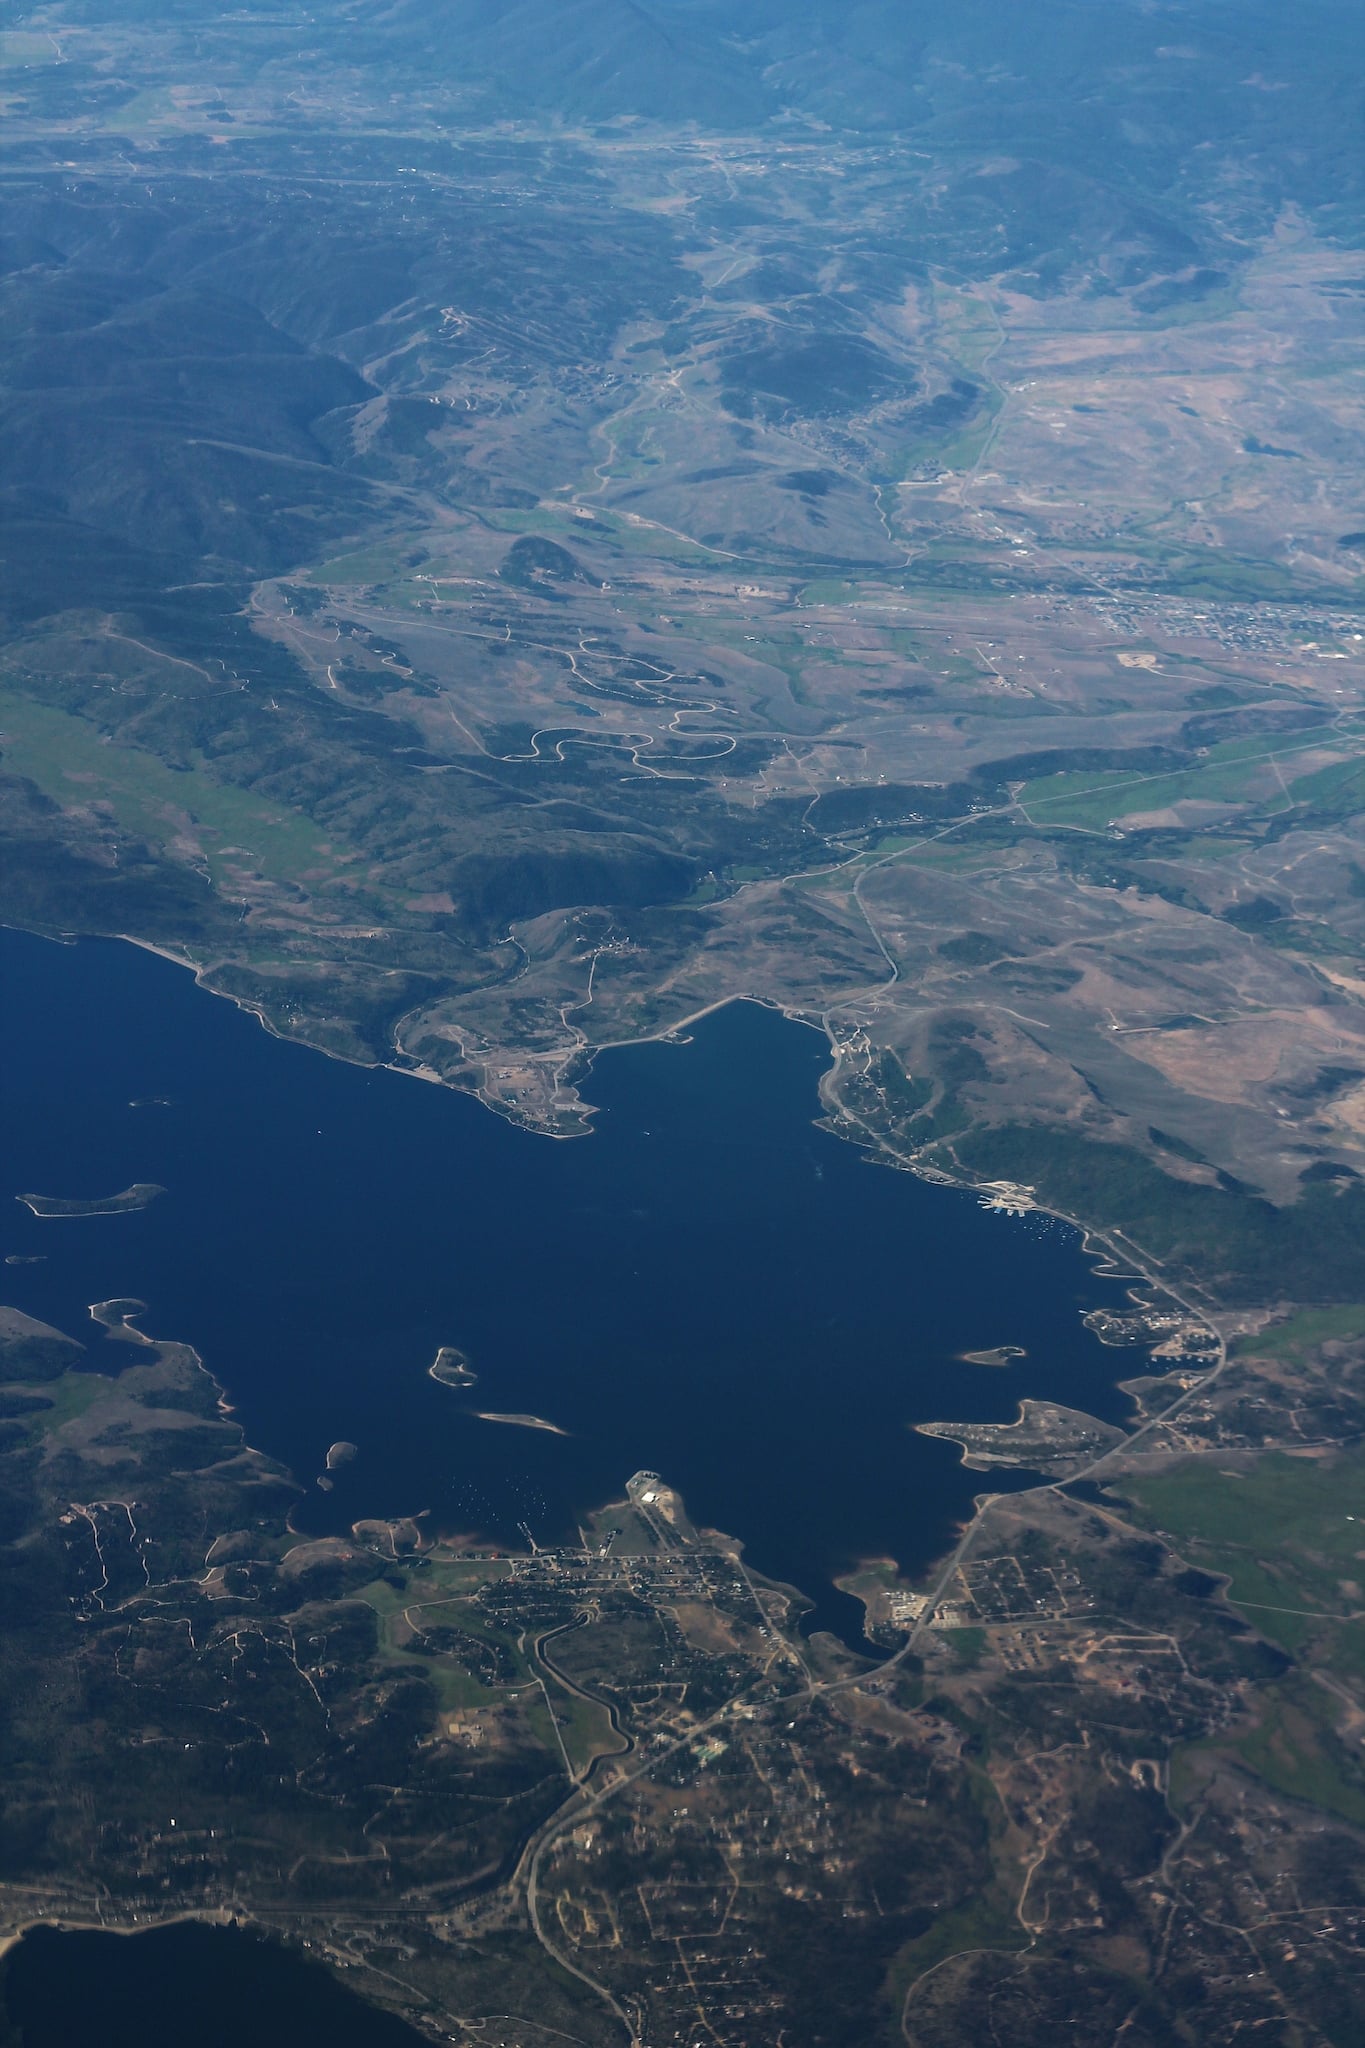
column 709, row 1286
column 215, row 1987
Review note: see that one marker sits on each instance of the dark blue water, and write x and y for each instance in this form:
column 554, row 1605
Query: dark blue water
column 709, row 1285
column 181, row 1987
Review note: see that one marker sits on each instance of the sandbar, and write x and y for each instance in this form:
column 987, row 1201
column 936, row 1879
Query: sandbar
column 526, row 1422
column 999, row 1354
column 139, row 1196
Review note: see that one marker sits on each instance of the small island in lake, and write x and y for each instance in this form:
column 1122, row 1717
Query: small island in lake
column 452, row 1368
column 526, row 1422
column 338, row 1455
column 139, row 1196
column 999, row 1354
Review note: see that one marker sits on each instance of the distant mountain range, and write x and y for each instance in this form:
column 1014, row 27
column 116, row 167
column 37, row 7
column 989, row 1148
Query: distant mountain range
column 975, row 72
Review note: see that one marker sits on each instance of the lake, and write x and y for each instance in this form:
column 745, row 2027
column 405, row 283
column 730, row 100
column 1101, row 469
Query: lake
column 709, row 1286
column 185, row 1986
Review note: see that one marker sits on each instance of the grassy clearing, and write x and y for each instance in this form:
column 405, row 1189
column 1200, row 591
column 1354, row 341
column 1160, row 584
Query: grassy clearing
column 893, row 843
column 1316, row 943
column 382, row 563
column 961, row 451
column 70, row 761
column 385, row 1599
column 28, row 46
column 1197, row 572
column 987, row 1921
column 455, row 1686
column 1186, row 1778
column 952, row 856
column 957, row 671
column 1303, row 1333
column 466, row 1574
column 542, row 1726
column 585, row 1727
column 786, row 652
column 1295, row 1748
column 1282, row 1500
column 1256, row 746
column 70, row 1396
column 1218, row 304
column 151, row 108
column 920, row 647
column 1288, row 1535
column 967, row 328
column 829, row 881
column 1091, row 801
column 1229, row 774
column 1204, row 848
column 1338, row 790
